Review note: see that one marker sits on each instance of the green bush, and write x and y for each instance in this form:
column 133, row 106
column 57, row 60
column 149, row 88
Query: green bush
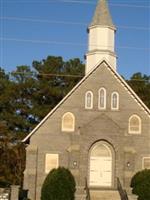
column 58, row 185
column 140, row 184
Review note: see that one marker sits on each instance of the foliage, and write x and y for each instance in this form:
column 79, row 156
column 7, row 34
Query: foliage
column 141, row 85
column 28, row 93
column 53, row 82
column 12, row 162
column 141, row 184
column 58, row 185
column 26, row 96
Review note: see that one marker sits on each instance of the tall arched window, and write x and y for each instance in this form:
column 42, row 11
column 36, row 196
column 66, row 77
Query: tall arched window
column 89, row 100
column 135, row 124
column 115, row 101
column 68, row 122
column 102, row 98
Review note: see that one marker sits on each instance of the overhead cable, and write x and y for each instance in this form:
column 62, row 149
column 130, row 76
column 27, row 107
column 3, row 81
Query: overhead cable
column 64, row 22
column 80, row 2
column 64, row 75
column 67, row 43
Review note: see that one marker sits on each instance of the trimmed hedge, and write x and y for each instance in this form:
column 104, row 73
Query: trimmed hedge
column 58, row 185
column 140, row 184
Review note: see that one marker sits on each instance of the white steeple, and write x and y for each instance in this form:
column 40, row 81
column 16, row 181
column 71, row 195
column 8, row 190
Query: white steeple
column 101, row 38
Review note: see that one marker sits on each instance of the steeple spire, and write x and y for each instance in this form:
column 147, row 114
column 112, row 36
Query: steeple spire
column 102, row 15
column 101, row 38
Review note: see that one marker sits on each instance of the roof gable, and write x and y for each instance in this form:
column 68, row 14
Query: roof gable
column 117, row 77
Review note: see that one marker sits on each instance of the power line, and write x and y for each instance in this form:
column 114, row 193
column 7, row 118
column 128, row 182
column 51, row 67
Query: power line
column 111, row 4
column 139, row 80
column 64, row 75
column 81, row 2
column 43, row 21
column 65, row 22
column 48, row 74
column 67, row 43
column 130, row 6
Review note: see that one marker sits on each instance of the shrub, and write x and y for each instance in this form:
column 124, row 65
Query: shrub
column 140, row 184
column 58, row 185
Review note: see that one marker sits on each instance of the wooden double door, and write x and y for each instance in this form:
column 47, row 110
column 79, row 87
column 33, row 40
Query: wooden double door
column 100, row 169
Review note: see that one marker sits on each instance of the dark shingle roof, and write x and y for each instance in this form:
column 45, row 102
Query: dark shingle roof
column 102, row 15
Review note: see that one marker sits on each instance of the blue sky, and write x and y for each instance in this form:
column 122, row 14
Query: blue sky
column 33, row 29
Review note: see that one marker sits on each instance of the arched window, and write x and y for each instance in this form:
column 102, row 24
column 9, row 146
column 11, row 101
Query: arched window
column 115, row 101
column 89, row 100
column 68, row 122
column 135, row 124
column 102, row 98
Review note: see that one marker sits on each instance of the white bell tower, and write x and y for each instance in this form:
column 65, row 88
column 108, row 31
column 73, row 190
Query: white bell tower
column 101, row 38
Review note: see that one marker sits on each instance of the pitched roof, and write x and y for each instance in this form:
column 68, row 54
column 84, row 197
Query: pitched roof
column 102, row 15
column 116, row 75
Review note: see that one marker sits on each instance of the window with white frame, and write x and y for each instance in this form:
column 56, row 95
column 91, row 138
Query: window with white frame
column 68, row 122
column 146, row 163
column 89, row 100
column 134, row 124
column 115, row 101
column 102, row 98
column 51, row 162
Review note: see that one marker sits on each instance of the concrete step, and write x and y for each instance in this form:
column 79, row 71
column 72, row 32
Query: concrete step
column 104, row 195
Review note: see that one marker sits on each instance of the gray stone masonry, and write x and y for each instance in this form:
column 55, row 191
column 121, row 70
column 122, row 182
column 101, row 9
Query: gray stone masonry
column 91, row 126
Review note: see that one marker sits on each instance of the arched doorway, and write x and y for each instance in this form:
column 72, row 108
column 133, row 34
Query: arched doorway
column 101, row 165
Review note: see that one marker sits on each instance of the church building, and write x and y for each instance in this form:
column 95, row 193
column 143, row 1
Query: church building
column 100, row 130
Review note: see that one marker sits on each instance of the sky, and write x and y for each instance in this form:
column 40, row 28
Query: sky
column 33, row 29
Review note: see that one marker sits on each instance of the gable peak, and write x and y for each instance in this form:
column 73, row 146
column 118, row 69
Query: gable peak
column 102, row 15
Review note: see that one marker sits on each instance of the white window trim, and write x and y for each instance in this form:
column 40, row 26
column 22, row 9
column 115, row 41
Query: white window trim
column 140, row 125
column 91, row 106
column 104, row 107
column 62, row 124
column 57, row 164
column 143, row 161
column 117, row 108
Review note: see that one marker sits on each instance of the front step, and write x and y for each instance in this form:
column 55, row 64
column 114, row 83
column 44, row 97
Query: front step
column 104, row 195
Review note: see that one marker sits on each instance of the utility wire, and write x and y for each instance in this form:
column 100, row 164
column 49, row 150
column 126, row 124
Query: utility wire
column 47, row 74
column 80, row 2
column 64, row 75
column 68, row 43
column 42, row 20
column 65, row 22
column 111, row 4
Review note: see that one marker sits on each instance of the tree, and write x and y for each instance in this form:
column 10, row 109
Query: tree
column 12, row 159
column 29, row 93
column 22, row 118
column 4, row 94
column 141, row 85
column 55, row 78
column 141, row 184
column 26, row 96
column 58, row 185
